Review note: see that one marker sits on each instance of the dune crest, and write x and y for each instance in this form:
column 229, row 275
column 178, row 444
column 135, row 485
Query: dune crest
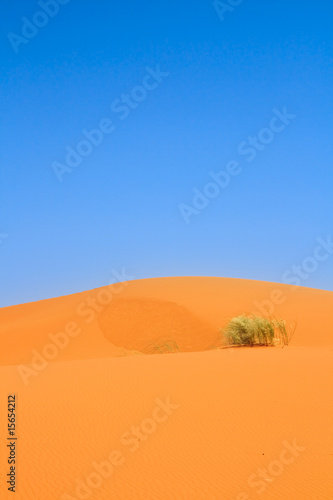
column 190, row 311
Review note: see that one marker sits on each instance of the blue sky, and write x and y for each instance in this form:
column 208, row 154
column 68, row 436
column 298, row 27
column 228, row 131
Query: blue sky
column 193, row 88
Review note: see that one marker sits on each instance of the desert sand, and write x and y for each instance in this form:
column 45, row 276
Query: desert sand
column 105, row 410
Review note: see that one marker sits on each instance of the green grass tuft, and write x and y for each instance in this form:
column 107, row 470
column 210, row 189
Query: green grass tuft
column 161, row 346
column 256, row 330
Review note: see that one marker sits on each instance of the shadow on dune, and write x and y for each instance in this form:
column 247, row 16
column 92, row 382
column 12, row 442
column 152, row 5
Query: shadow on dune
column 155, row 326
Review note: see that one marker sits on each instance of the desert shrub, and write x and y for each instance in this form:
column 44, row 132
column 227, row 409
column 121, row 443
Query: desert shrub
column 284, row 332
column 256, row 330
column 161, row 346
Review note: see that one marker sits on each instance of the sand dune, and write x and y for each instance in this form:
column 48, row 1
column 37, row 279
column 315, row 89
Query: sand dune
column 98, row 418
column 190, row 310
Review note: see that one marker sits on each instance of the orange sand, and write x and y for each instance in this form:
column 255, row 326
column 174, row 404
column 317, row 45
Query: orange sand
column 233, row 415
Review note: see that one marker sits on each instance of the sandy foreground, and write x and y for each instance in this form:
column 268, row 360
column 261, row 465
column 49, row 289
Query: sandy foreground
column 105, row 410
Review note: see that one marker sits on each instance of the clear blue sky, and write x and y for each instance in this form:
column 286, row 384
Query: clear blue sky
column 120, row 207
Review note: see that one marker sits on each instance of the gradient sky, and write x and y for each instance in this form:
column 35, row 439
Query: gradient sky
column 119, row 208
